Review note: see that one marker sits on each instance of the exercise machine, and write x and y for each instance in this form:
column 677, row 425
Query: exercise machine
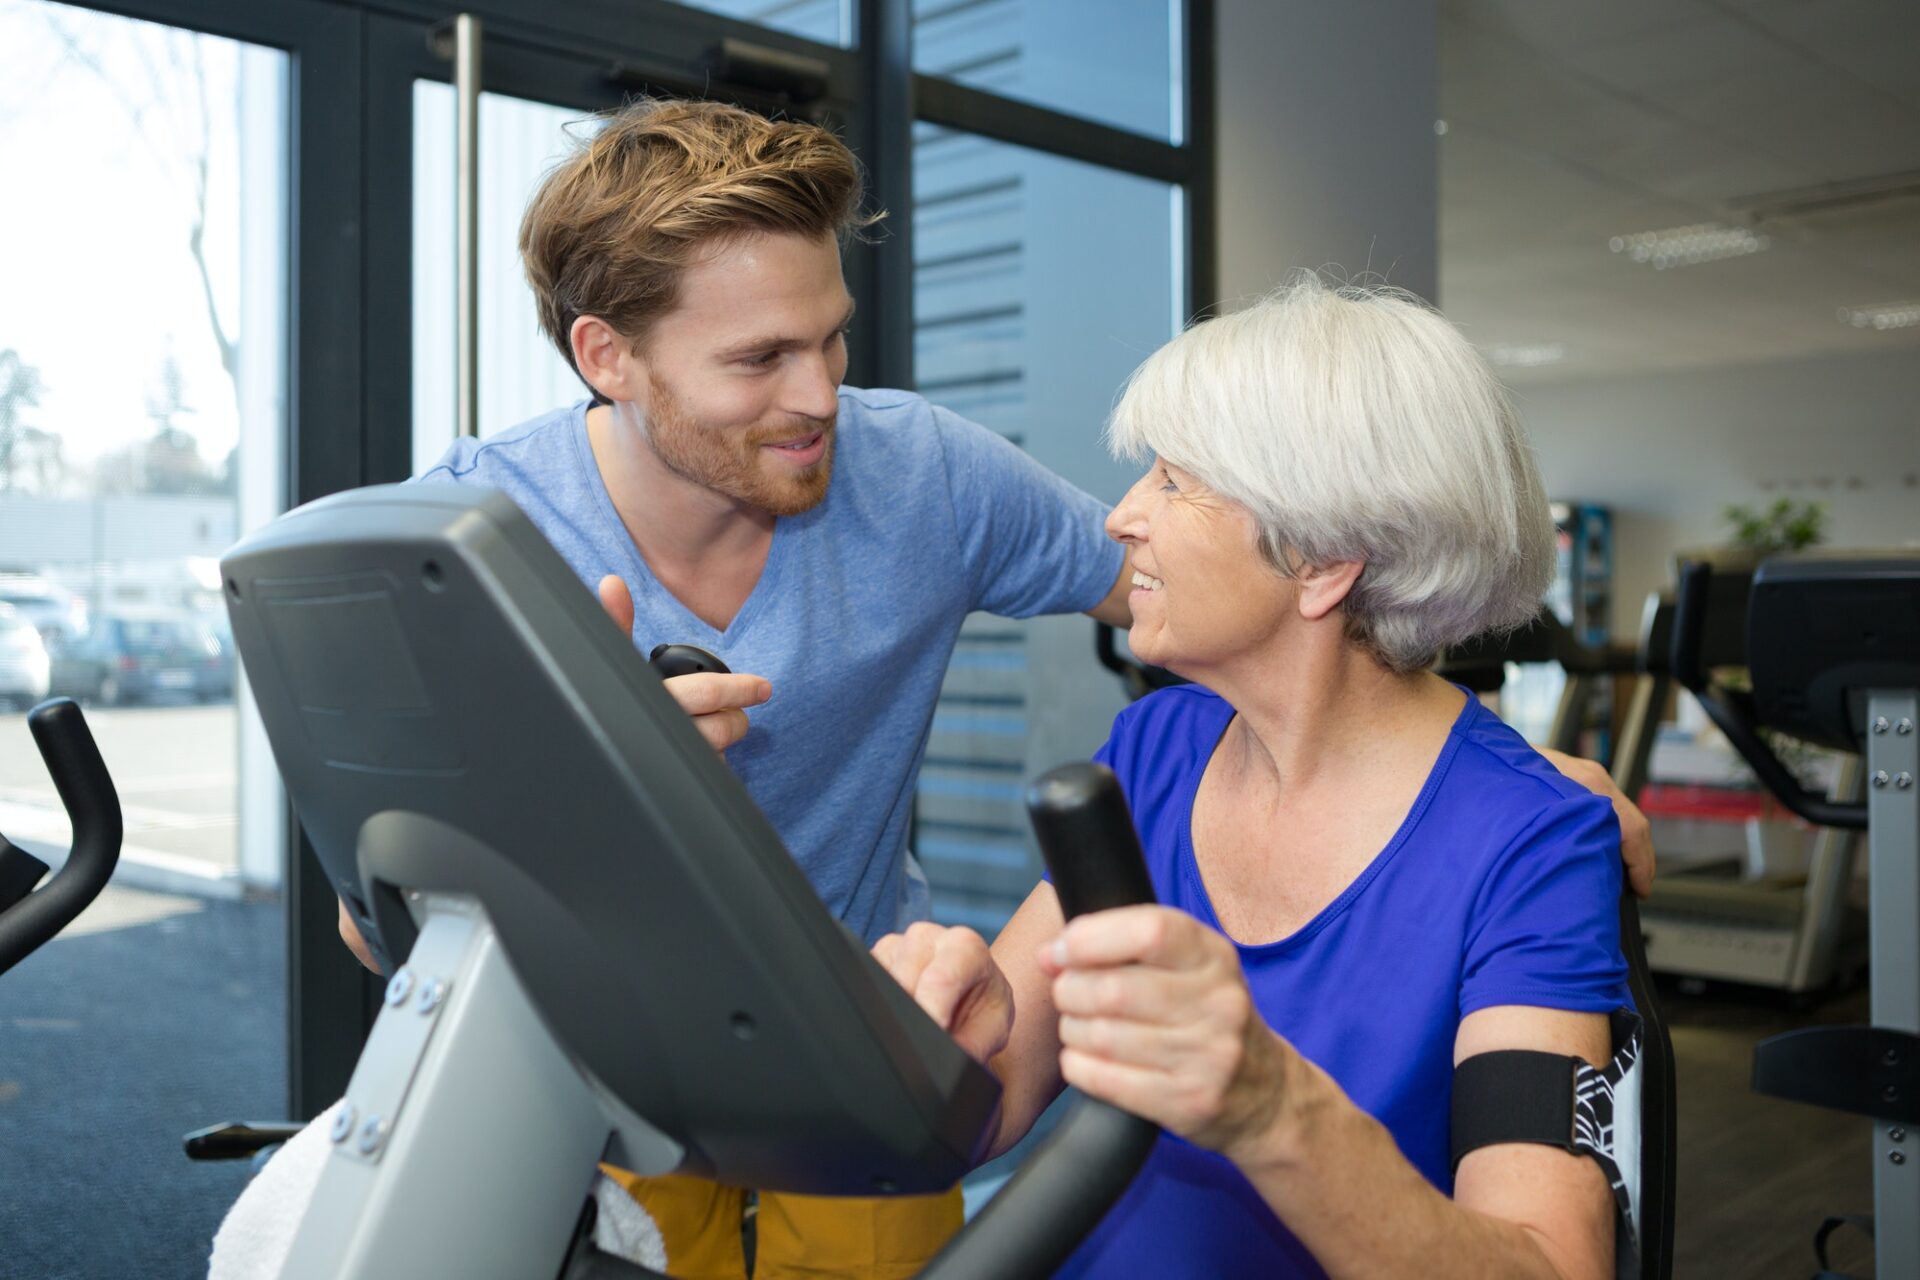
column 1709, row 921
column 599, row 948
column 1833, row 647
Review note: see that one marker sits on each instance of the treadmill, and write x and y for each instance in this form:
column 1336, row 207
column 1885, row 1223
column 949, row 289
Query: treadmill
column 1708, row 921
column 1833, row 645
column 599, row 947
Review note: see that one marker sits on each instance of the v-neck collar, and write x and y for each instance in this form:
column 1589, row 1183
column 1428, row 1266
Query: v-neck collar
column 1190, row 862
column 640, row 574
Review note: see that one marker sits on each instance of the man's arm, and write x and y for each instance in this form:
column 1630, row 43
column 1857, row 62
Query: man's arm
column 1114, row 610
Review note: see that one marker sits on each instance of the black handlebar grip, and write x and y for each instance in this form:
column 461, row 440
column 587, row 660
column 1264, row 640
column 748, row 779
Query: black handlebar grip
column 80, row 776
column 1088, row 1161
column 1087, row 838
column 684, row 660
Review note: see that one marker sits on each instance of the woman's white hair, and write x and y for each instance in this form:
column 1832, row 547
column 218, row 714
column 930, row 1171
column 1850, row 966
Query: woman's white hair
column 1357, row 424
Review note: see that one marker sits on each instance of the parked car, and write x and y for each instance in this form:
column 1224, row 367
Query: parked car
column 23, row 661
column 55, row 612
column 124, row 659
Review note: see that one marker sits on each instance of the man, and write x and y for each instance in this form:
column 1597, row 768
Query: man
column 686, row 262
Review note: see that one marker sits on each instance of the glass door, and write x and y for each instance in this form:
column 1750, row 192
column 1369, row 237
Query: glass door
column 143, row 406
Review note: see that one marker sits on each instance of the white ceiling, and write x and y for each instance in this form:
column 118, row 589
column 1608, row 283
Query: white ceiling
column 1569, row 122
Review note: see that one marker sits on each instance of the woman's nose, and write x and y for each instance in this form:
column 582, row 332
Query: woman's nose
column 1124, row 523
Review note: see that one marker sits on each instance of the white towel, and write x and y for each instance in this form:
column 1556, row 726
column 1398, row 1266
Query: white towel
column 254, row 1240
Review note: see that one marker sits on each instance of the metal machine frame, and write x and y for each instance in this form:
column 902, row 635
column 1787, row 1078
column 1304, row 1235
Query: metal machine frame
column 1835, row 648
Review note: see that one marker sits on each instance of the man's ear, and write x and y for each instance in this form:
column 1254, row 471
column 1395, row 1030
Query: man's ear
column 607, row 360
column 1324, row 587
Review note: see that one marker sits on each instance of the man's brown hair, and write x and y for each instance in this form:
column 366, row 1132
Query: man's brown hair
column 612, row 227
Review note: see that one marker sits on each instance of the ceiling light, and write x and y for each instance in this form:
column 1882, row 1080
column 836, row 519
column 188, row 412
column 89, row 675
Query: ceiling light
column 1689, row 245
column 1887, row 315
column 1516, row 355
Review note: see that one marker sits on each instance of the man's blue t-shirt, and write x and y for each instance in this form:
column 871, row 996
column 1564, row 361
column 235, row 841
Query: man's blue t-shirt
column 927, row 518
column 1501, row 886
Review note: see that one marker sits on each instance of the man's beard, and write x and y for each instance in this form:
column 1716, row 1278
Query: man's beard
column 729, row 460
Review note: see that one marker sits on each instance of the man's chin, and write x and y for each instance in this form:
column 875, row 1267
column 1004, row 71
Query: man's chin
column 793, row 493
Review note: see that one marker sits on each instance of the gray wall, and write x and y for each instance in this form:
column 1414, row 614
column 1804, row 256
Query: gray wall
column 1326, row 149
column 1669, row 451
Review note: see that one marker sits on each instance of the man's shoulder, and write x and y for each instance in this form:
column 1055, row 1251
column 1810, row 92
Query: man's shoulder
column 540, row 445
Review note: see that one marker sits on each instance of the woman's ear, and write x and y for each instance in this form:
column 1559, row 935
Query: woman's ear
column 1324, row 587
column 606, row 359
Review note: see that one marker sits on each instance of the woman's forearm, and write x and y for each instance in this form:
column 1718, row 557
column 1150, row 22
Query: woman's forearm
column 1336, row 1177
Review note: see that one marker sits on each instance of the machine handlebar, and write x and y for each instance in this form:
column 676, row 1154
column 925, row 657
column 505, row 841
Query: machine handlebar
column 1732, row 712
column 1060, row 1194
column 28, row 917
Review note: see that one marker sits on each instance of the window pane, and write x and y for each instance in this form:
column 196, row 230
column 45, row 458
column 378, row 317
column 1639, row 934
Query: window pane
column 521, row 373
column 1114, row 61
column 1022, row 323
column 142, row 391
column 827, row 21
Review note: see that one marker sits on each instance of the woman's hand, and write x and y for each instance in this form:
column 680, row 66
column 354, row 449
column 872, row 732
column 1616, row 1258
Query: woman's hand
column 951, row 974
column 715, row 702
column 1156, row 1018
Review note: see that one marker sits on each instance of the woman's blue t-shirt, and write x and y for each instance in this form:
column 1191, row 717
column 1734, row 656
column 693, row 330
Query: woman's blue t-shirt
column 1501, row 887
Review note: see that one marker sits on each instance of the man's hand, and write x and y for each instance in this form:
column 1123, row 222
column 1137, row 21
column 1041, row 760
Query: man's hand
column 1636, row 835
column 350, row 934
column 951, row 974
column 714, row 701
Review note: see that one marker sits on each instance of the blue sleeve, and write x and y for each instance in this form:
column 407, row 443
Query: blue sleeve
column 1546, row 924
column 1031, row 542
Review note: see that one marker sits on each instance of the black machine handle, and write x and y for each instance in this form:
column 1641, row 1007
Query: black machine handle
column 684, row 660
column 31, row 918
column 1732, row 711
column 1063, row 1190
column 237, row 1141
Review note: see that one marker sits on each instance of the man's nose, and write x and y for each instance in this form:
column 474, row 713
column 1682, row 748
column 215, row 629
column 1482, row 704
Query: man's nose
column 815, row 391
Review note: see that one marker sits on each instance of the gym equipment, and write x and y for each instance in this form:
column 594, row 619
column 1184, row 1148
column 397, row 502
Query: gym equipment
column 1480, row 666
column 598, row 946
column 1833, row 647
column 255, row 1139
column 1705, row 921
column 31, row 917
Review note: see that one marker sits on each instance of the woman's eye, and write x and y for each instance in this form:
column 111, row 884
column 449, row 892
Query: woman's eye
column 1166, row 482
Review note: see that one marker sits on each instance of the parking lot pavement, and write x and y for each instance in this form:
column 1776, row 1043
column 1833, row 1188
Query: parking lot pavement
column 174, row 769
column 154, row 1014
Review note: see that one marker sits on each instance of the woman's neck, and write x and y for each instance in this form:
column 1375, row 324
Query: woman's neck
column 1329, row 710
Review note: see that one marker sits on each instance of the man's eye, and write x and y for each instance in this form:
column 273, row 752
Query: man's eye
column 761, row 361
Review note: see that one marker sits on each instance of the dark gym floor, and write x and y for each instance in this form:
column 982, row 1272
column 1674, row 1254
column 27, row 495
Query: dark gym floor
column 113, row 1043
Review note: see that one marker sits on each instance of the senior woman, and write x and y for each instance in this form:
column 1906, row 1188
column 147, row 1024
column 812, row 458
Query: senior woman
column 1366, row 876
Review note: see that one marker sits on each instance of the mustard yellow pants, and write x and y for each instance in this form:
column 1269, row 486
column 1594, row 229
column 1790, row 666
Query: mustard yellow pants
column 796, row 1237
